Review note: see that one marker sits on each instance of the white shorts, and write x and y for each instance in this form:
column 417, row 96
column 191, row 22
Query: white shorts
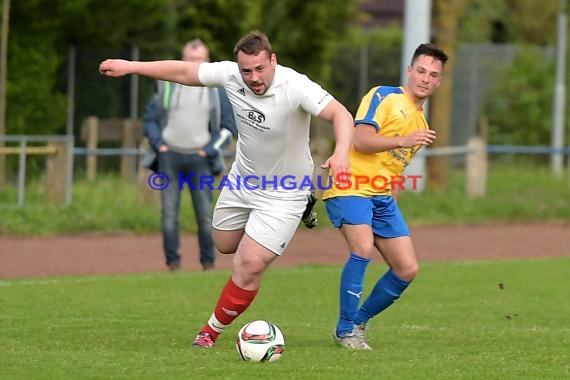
column 268, row 217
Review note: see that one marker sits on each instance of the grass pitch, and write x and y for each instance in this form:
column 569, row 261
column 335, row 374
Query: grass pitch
column 459, row 320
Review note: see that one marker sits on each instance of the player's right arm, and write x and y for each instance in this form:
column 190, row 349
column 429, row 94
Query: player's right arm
column 373, row 112
column 169, row 70
column 368, row 140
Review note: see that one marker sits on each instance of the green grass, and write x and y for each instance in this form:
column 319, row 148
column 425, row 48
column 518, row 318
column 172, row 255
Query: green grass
column 455, row 322
column 106, row 205
column 515, row 193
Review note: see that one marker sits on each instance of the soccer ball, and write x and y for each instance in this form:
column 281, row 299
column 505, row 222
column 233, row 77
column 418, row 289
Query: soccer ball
column 260, row 341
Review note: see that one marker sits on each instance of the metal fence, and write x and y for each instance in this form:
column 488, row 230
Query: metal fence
column 59, row 172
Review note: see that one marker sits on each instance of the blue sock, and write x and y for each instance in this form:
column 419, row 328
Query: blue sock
column 351, row 284
column 387, row 290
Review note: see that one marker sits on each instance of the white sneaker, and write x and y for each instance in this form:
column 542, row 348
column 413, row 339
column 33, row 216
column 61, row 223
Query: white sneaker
column 354, row 340
column 360, row 331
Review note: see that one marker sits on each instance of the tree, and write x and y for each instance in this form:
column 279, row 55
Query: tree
column 219, row 23
column 304, row 33
column 508, row 21
column 307, row 33
column 41, row 34
column 3, row 69
column 532, row 22
column 447, row 14
column 33, row 106
column 519, row 106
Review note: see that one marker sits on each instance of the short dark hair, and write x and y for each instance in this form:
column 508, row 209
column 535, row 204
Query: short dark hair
column 253, row 43
column 430, row 50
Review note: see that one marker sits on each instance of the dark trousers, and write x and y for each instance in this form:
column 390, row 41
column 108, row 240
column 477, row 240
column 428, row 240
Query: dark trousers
column 174, row 165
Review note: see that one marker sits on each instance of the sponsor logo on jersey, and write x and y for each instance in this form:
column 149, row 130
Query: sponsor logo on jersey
column 252, row 118
column 254, row 115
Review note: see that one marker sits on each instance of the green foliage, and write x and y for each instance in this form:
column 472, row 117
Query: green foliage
column 41, row 32
column 104, row 205
column 532, row 22
column 519, row 105
column 219, row 23
column 145, row 23
column 454, row 322
column 479, row 22
column 510, row 21
column 33, row 106
column 305, row 33
column 509, row 189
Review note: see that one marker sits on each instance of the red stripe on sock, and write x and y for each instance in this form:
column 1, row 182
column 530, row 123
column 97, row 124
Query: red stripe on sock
column 232, row 302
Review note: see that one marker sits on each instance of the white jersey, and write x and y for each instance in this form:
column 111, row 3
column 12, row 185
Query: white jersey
column 273, row 128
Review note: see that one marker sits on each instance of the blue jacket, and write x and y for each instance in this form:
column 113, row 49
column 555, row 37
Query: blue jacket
column 222, row 124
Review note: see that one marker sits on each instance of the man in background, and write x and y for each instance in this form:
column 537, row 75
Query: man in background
column 186, row 128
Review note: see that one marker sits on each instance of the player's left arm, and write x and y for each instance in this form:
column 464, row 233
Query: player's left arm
column 343, row 124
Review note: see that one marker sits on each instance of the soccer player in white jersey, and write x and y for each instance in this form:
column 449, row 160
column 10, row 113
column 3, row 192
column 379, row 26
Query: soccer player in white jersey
column 272, row 106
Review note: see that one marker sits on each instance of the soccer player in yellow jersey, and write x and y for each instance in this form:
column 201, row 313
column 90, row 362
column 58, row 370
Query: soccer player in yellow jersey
column 390, row 127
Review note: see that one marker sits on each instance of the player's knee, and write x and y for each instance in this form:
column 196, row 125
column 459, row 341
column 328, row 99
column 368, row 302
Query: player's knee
column 363, row 250
column 409, row 272
column 247, row 267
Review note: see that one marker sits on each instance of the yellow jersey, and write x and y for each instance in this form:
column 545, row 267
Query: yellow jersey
column 392, row 113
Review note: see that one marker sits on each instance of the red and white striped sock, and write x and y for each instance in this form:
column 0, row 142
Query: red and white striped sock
column 233, row 302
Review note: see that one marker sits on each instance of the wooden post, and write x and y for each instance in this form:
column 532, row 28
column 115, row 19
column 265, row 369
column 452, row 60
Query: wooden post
column 92, row 128
column 57, row 170
column 128, row 163
column 146, row 193
column 476, row 167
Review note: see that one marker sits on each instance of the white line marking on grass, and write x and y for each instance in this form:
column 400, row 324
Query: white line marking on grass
column 527, row 329
column 415, row 327
column 75, row 280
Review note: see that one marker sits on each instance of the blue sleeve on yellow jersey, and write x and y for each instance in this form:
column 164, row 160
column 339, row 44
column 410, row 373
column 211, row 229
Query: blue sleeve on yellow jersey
column 374, row 102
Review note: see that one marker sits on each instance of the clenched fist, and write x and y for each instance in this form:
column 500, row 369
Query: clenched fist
column 423, row 137
column 115, row 67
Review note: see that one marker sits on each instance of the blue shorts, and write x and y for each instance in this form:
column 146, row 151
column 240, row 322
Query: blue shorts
column 380, row 212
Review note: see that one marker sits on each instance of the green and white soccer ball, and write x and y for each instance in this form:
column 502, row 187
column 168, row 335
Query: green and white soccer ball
column 260, row 341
